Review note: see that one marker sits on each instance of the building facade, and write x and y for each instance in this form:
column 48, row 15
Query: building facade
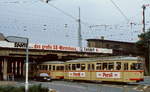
column 119, row 48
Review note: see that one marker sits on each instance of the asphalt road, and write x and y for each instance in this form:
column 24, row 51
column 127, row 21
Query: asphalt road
column 65, row 86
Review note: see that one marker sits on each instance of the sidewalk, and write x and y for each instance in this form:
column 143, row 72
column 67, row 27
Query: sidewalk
column 7, row 83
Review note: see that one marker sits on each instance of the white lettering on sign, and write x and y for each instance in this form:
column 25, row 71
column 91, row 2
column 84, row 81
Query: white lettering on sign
column 20, row 45
column 76, row 74
column 108, row 74
column 97, row 50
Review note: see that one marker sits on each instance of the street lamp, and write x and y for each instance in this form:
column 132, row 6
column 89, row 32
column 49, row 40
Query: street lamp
column 26, row 41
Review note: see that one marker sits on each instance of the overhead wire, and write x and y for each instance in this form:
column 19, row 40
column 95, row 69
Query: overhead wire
column 69, row 15
column 119, row 9
column 62, row 11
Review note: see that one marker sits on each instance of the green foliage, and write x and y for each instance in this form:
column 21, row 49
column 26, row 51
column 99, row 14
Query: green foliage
column 144, row 40
column 34, row 88
column 38, row 88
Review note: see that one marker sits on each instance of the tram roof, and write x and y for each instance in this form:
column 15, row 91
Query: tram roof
column 52, row 62
column 113, row 58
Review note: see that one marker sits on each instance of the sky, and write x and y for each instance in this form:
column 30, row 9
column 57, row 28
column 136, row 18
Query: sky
column 56, row 22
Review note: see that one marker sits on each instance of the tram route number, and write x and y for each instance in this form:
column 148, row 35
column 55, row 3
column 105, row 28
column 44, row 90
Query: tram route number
column 108, row 74
column 76, row 74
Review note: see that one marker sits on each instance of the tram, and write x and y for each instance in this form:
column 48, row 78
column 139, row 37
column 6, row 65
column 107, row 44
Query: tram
column 55, row 69
column 114, row 69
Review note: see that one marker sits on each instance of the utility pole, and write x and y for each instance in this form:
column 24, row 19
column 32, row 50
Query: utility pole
column 143, row 22
column 79, row 32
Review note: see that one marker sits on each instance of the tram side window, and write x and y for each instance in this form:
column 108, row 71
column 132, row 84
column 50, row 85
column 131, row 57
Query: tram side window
column 78, row 67
column 140, row 65
column 49, row 67
column 69, row 67
column 40, row 67
column 118, row 66
column 104, row 66
column 66, row 67
column 136, row 66
column 93, row 67
column 53, row 68
column 98, row 66
column 89, row 67
column 110, row 66
column 73, row 67
column 125, row 66
column 82, row 66
column 60, row 68
column 45, row 67
column 57, row 67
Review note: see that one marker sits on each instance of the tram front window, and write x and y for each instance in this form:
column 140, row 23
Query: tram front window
column 136, row 66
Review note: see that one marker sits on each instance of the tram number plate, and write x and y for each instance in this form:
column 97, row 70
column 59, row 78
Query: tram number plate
column 76, row 74
column 108, row 74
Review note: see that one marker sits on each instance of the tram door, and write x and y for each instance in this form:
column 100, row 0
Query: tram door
column 125, row 68
column 90, row 69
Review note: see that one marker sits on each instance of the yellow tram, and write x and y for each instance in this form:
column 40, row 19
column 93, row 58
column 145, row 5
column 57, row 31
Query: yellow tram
column 55, row 69
column 114, row 69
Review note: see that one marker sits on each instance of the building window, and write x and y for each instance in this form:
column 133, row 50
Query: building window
column 116, row 46
column 107, row 45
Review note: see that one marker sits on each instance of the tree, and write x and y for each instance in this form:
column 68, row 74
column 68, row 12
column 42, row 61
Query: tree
column 144, row 39
column 143, row 45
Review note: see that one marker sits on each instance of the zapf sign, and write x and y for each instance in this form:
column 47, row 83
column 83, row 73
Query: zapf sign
column 76, row 74
column 20, row 45
column 108, row 74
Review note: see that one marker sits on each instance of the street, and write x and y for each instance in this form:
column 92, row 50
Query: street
column 65, row 86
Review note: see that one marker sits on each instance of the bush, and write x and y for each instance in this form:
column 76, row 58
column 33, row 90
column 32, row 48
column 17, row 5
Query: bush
column 38, row 88
column 34, row 88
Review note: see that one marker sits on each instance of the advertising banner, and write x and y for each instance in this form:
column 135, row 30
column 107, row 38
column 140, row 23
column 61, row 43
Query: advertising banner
column 108, row 74
column 76, row 74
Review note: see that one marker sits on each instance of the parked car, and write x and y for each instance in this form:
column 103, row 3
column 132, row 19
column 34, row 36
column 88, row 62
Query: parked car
column 43, row 77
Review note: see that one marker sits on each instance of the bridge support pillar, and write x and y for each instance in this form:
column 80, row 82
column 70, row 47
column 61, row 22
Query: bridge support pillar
column 5, row 69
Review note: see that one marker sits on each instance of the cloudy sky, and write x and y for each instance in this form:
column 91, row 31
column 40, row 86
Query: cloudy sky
column 56, row 22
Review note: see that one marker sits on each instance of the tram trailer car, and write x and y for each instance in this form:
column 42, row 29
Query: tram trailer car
column 55, row 69
column 113, row 69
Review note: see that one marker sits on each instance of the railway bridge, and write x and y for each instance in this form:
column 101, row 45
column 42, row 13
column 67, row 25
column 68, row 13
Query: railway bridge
column 12, row 56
